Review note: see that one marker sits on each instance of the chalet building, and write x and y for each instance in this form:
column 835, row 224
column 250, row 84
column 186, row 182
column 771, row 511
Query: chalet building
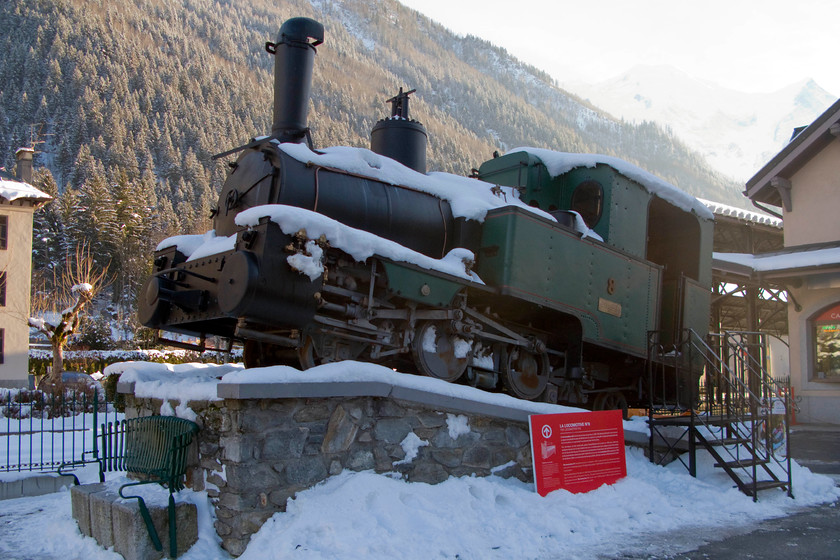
column 802, row 185
column 18, row 202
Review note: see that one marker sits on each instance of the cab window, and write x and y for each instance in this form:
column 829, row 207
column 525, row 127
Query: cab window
column 588, row 201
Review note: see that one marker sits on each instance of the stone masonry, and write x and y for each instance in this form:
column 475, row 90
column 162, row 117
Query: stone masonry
column 253, row 454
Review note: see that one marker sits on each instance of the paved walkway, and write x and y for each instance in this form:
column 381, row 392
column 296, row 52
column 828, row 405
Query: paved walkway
column 812, row 534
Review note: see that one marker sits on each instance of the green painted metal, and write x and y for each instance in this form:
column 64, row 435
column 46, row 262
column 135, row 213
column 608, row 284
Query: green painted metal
column 626, row 225
column 156, row 446
column 610, row 292
column 415, row 284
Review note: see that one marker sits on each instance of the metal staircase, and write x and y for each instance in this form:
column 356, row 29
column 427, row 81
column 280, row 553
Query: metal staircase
column 716, row 394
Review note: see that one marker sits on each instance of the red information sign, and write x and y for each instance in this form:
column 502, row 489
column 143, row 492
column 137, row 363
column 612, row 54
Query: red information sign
column 577, row 451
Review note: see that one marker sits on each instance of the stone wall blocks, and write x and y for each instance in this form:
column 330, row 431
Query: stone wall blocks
column 384, row 462
column 444, row 440
column 341, row 431
column 250, row 522
column 284, row 443
column 430, row 473
column 447, row 457
column 222, row 529
column 252, row 475
column 386, row 408
column 478, row 456
column 237, row 502
column 238, row 449
column 493, row 436
column 236, row 547
column 305, row 471
column 431, row 419
column 361, row 461
column 207, row 448
column 517, row 437
column 314, row 411
column 280, row 497
column 216, row 480
column 210, row 462
column 392, row 430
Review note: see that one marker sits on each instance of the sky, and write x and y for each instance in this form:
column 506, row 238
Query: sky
column 747, row 45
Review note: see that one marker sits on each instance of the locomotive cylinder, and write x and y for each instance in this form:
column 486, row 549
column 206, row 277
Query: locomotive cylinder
column 294, row 59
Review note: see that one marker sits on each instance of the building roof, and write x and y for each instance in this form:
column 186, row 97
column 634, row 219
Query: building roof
column 741, row 215
column 12, row 189
column 803, row 260
column 771, row 185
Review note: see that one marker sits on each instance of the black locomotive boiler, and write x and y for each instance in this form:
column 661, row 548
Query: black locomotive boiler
column 542, row 276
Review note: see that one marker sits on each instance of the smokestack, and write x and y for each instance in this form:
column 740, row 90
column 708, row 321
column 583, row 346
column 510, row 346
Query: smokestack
column 24, row 164
column 294, row 58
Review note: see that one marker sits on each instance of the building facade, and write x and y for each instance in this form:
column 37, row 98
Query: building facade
column 802, row 183
column 18, row 202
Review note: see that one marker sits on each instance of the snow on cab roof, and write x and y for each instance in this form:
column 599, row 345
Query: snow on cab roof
column 469, row 198
column 14, row 190
column 558, row 163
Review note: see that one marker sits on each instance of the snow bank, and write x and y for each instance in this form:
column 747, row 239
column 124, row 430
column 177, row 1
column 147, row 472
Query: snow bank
column 183, row 382
column 355, row 515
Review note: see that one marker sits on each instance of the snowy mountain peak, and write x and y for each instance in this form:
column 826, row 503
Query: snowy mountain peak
column 737, row 132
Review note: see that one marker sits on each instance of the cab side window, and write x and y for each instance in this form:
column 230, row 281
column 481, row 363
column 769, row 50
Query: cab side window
column 588, row 201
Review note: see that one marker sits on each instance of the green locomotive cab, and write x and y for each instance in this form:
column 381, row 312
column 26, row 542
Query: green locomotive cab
column 646, row 268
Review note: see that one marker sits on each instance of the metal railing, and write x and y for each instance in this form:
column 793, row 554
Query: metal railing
column 39, row 431
column 730, row 404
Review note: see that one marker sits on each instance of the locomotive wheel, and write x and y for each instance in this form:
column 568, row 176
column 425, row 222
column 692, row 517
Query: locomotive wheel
column 526, row 373
column 611, row 400
column 261, row 354
column 434, row 352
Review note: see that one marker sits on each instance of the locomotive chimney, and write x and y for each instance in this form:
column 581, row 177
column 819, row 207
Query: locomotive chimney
column 399, row 137
column 294, row 57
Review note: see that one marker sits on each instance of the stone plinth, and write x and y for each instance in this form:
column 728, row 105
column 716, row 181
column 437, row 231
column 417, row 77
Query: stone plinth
column 264, row 443
column 117, row 522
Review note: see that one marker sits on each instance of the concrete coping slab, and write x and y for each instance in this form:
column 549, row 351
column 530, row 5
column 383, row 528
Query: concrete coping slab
column 349, row 389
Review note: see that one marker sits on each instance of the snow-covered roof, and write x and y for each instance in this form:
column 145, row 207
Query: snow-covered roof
column 719, row 209
column 13, row 190
column 558, row 163
column 778, row 262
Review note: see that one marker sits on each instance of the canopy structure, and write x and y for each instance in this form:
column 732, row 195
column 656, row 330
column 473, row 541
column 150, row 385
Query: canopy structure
column 745, row 299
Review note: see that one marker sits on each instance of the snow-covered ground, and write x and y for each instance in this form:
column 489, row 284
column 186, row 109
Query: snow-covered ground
column 368, row 515
column 365, row 515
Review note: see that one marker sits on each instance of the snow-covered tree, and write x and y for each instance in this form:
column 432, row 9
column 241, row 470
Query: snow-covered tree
column 57, row 313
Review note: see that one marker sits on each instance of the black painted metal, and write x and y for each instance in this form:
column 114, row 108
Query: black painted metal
column 294, row 58
column 732, row 420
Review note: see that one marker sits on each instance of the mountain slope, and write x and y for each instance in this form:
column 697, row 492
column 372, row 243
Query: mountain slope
column 737, row 132
column 151, row 89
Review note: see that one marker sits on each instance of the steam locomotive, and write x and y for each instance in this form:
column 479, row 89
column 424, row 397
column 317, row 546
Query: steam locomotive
column 541, row 275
